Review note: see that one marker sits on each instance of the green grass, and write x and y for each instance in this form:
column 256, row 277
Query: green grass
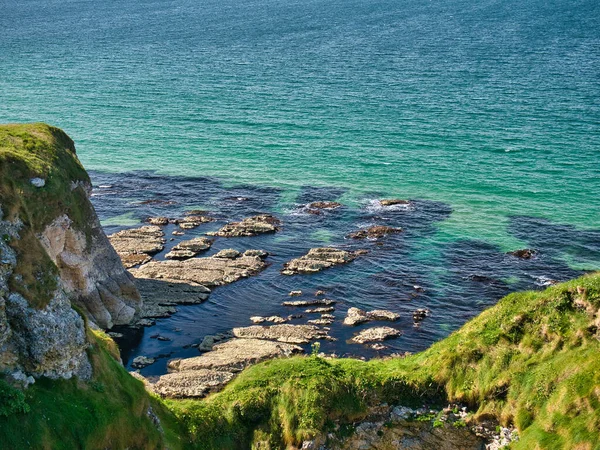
column 109, row 411
column 38, row 150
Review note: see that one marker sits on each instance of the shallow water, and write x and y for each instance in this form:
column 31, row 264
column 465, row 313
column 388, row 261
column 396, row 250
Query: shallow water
column 459, row 278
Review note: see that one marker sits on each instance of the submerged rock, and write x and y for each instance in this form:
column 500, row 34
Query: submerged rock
column 375, row 335
column 374, row 232
column 294, row 334
column 137, row 245
column 201, row 271
column 323, row 205
column 419, row 315
column 382, row 314
column 210, row 340
column 524, row 253
column 189, row 249
column 318, row 259
column 251, row 226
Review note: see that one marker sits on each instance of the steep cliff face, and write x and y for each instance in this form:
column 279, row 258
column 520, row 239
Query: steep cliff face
column 54, row 257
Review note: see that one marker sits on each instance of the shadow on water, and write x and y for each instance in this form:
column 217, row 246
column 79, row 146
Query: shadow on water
column 402, row 272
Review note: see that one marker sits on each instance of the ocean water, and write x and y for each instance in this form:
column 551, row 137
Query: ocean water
column 486, row 114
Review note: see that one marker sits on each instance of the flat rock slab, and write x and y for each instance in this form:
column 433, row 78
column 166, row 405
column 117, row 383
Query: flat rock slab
column 375, row 335
column 318, row 259
column 196, row 383
column 192, row 221
column 374, row 232
column 251, row 226
column 356, row 316
column 294, row 334
column 137, row 245
column 234, row 355
column 201, row 271
column 189, row 249
column 273, row 319
column 324, row 302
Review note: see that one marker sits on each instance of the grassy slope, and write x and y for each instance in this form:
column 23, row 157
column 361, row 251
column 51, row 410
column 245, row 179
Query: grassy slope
column 29, row 151
column 533, row 360
column 109, row 411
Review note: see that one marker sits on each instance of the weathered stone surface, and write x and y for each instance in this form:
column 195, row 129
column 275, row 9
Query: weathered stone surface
column 201, row 271
column 524, row 253
column 318, row 259
column 140, row 362
column 195, row 383
column 234, row 355
column 323, row 309
column 136, row 245
column 158, row 220
column 210, row 340
column 273, row 319
column 189, row 249
column 374, row 232
column 393, row 201
column 251, row 226
column 321, row 321
column 160, row 296
column 323, row 205
column 356, row 316
column 375, row 335
column 227, row 253
column 192, row 221
column 294, row 334
column 321, row 301
column 295, row 293
column 260, row 253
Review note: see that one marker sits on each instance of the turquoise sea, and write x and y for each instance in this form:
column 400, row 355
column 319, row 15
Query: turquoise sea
column 488, row 109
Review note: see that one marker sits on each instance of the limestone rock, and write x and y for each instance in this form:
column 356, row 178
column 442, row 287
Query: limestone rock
column 323, row 309
column 323, row 301
column 227, row 253
column 234, row 355
column 393, row 202
column 192, row 221
column 158, row 220
column 210, row 340
column 375, row 335
column 374, row 232
column 251, row 226
column 201, row 271
column 189, row 249
column 273, row 319
column 137, row 245
column 140, row 362
column 294, row 334
column 195, row 383
column 356, row 316
column 318, row 259
column 260, row 253
column 160, row 296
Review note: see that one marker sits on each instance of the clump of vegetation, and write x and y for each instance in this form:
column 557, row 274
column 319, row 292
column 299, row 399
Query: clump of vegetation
column 39, row 151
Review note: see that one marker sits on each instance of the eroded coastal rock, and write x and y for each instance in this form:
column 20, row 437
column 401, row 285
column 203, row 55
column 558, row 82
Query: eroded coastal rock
column 318, row 259
column 207, row 272
column 375, row 335
column 137, row 245
column 293, row 334
column 393, row 202
column 272, row 319
column 355, row 316
column 251, row 226
column 320, row 301
column 192, row 221
column 524, row 253
column 374, row 232
column 189, row 249
column 200, row 375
